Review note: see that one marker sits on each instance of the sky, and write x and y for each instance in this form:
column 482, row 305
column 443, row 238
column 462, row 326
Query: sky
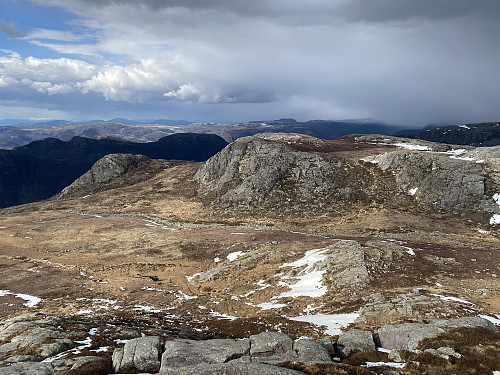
column 403, row 62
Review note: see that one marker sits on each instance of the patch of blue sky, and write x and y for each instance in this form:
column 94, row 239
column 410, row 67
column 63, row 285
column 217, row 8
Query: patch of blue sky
column 48, row 32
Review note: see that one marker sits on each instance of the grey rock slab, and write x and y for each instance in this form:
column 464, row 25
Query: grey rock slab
column 310, row 351
column 142, row 354
column 354, row 339
column 231, row 368
column 272, row 347
column 183, row 352
column 28, row 368
column 406, row 336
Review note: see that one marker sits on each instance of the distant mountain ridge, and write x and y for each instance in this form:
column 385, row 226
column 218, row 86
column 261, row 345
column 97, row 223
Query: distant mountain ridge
column 477, row 134
column 43, row 168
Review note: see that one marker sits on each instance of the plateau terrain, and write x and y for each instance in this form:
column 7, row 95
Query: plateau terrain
column 280, row 254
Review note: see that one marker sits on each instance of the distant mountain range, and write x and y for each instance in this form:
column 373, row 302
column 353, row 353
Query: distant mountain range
column 480, row 134
column 152, row 130
column 124, row 121
column 43, row 168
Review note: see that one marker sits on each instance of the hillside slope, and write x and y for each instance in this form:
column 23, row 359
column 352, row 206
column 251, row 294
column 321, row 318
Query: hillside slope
column 43, row 168
column 276, row 232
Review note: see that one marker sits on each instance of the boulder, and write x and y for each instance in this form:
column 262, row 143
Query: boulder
column 311, row 351
column 182, row 352
column 142, row 354
column 28, row 368
column 354, row 339
column 232, row 368
column 272, row 347
column 406, row 336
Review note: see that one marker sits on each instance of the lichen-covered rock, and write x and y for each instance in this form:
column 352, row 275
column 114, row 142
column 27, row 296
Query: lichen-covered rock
column 28, row 368
column 182, row 352
column 354, row 339
column 409, row 335
column 311, row 351
column 142, row 354
column 231, row 368
column 438, row 180
column 406, row 336
column 272, row 347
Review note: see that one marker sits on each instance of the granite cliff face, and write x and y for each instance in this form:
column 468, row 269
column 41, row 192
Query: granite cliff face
column 280, row 171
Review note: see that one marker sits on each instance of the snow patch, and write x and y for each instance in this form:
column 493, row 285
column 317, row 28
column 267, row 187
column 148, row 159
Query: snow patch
column 31, row 301
column 495, row 321
column 235, row 255
column 271, row 305
column 454, row 299
column 333, row 322
column 495, row 219
column 388, row 364
column 216, row 314
column 413, row 147
column 413, row 191
column 308, row 281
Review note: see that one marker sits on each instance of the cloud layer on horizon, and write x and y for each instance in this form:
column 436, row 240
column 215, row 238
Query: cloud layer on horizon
column 398, row 61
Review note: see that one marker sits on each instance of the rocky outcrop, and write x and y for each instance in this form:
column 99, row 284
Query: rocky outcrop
column 259, row 354
column 291, row 171
column 106, row 169
column 409, row 335
column 438, row 180
column 270, row 170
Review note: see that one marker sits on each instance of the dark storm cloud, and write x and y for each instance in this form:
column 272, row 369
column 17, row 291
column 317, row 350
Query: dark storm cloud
column 401, row 61
column 11, row 30
column 403, row 10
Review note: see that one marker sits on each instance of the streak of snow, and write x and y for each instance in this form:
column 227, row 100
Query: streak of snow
column 146, row 308
column 31, row 301
column 271, row 305
column 482, row 231
column 410, row 146
column 409, row 250
column 454, row 299
column 182, row 295
column 222, row 316
column 333, row 322
column 491, row 319
column 463, row 126
column 384, row 350
column 456, row 152
column 235, row 255
column 33, row 270
column 388, row 364
column 216, row 260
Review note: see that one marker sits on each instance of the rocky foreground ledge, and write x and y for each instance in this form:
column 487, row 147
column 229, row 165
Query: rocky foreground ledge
column 37, row 344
